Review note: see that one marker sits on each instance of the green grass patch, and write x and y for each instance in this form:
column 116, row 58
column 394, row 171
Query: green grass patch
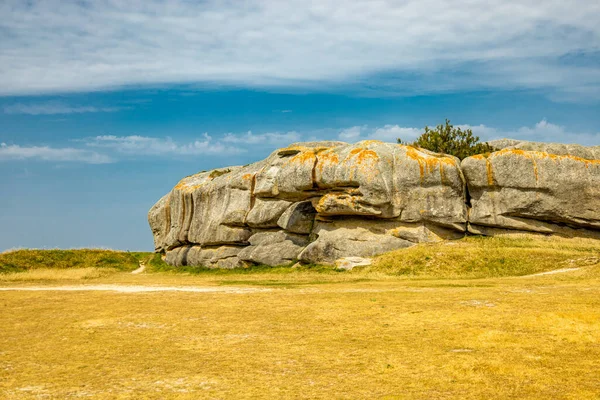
column 26, row 260
column 468, row 258
column 488, row 257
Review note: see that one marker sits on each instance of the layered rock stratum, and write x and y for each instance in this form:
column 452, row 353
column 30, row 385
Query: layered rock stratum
column 318, row 202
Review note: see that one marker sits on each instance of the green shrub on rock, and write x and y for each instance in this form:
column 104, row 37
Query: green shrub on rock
column 450, row 140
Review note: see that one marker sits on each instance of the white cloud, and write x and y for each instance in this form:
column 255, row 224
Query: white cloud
column 269, row 138
column 542, row 128
column 51, row 108
column 390, row 133
column 412, row 46
column 351, row 134
column 545, row 131
column 143, row 145
column 484, row 132
column 45, row 153
column 386, row 133
column 542, row 131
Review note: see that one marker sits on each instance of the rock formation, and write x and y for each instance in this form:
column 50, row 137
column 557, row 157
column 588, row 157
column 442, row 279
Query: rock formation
column 534, row 187
column 319, row 202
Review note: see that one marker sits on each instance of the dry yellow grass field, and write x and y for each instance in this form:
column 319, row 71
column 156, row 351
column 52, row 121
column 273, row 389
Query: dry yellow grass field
column 453, row 320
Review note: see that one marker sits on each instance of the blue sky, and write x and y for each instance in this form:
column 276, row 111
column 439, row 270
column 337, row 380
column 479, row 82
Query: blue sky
column 106, row 104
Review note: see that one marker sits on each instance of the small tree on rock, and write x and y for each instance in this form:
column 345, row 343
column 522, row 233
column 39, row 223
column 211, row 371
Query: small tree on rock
column 450, row 140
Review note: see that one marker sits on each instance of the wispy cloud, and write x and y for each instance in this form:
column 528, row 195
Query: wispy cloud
column 269, row 138
column 52, row 108
column 227, row 144
column 46, row 153
column 384, row 46
column 143, row 145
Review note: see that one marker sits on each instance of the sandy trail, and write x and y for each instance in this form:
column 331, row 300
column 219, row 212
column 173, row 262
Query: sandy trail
column 137, row 289
column 556, row 271
column 141, row 269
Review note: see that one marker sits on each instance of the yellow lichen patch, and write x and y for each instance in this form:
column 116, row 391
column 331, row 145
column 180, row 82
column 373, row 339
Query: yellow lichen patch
column 541, row 155
column 490, row 173
column 369, row 142
column 181, row 184
column 427, row 163
column 304, row 157
column 187, row 187
column 167, row 226
column 338, row 199
column 190, row 183
column 364, row 155
column 326, row 159
column 293, row 148
column 343, row 204
column 362, row 162
column 329, row 157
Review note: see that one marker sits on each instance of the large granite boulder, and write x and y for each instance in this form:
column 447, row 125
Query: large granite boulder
column 318, row 202
column 315, row 201
column 534, row 187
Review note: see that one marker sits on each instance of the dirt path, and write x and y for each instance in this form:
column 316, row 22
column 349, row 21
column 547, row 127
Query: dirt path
column 141, row 269
column 137, row 289
column 556, row 271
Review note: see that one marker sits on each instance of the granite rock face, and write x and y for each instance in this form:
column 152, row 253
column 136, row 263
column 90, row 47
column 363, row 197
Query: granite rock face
column 318, row 202
column 535, row 187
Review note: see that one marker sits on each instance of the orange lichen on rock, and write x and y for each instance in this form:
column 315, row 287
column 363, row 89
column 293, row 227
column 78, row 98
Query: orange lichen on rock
column 327, row 158
column 307, row 156
column 534, row 156
column 364, row 155
column 183, row 185
column 343, row 204
column 541, row 155
column 370, row 142
column 341, row 199
column 427, row 163
column 490, row 172
column 188, row 187
column 363, row 162
column 167, row 227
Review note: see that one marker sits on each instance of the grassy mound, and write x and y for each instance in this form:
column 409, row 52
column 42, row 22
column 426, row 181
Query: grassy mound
column 489, row 257
column 27, row 260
